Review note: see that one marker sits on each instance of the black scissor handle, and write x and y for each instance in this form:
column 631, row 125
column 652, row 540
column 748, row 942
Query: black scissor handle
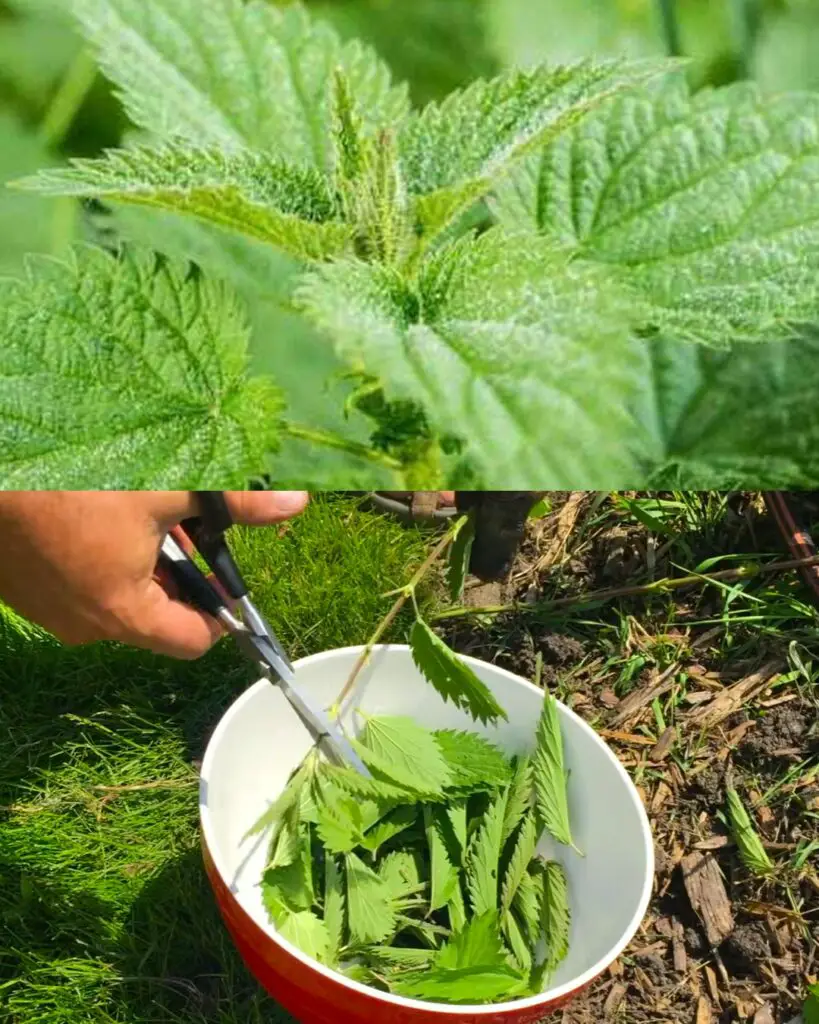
column 192, row 583
column 208, row 535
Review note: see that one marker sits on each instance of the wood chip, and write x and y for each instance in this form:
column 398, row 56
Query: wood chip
column 662, row 748
column 664, row 926
column 609, row 698
column 762, row 811
column 654, row 949
column 714, row 843
column 633, row 738
column 711, row 982
column 745, row 1002
column 614, row 999
column 731, row 699
column 704, row 1014
column 660, row 684
column 678, row 948
column 662, row 794
column 774, row 702
column 706, row 891
column 764, row 1015
column 699, row 697
column 736, row 735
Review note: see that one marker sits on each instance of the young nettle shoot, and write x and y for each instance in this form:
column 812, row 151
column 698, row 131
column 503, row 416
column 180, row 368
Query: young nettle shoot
column 562, row 274
column 426, row 881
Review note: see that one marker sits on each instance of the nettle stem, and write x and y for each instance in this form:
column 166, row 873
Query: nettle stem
column 747, row 17
column 406, row 593
column 671, row 27
column 330, row 440
column 657, row 587
column 68, row 99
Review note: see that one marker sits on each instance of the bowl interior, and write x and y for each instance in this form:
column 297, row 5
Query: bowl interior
column 260, row 740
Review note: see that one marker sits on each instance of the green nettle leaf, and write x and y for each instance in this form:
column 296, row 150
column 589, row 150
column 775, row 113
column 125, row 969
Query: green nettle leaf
column 456, row 909
column 234, row 75
column 459, row 557
column 507, row 343
column 339, row 827
column 483, row 858
column 456, row 812
column 517, row 943
column 399, row 872
column 370, row 913
column 444, row 873
column 405, row 752
column 477, row 945
column 349, row 780
column 306, row 932
column 451, row 677
column 393, row 825
column 402, row 956
column 520, row 795
column 549, row 774
column 262, row 197
column 130, row 372
column 263, row 278
column 453, row 152
column 334, row 909
column 522, row 854
column 717, row 419
column 286, row 847
column 556, row 920
column 753, row 853
column 290, row 795
column 474, row 762
column 708, row 204
column 291, row 887
column 464, row 985
column 527, row 904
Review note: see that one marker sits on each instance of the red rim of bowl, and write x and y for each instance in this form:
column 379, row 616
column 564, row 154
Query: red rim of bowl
column 561, row 992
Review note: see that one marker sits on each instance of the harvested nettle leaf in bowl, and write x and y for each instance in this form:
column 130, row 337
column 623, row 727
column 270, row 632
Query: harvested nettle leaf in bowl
column 491, row 869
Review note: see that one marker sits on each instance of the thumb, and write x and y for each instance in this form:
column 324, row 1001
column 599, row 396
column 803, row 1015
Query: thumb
column 248, row 508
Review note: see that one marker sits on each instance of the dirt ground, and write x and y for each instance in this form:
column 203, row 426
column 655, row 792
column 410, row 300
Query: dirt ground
column 689, row 706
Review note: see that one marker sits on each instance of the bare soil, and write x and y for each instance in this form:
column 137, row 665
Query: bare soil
column 606, row 662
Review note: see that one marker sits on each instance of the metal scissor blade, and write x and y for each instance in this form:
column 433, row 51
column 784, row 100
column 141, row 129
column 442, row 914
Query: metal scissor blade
column 328, row 735
column 324, row 732
column 258, row 625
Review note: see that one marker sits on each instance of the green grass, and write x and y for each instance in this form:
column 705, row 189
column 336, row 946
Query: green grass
column 105, row 912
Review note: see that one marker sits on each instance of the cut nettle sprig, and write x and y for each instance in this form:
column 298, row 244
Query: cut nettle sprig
column 426, row 879
column 549, row 773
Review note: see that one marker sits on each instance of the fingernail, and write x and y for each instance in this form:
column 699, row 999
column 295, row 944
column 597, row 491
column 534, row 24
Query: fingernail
column 290, row 502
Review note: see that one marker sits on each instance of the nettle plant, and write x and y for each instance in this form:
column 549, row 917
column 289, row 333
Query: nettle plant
column 579, row 276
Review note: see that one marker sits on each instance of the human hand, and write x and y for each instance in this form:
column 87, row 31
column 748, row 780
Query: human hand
column 83, row 564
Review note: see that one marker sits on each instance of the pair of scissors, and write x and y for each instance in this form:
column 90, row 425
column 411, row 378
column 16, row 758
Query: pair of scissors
column 247, row 625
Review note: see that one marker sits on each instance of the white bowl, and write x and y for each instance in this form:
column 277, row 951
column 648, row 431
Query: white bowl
column 259, row 742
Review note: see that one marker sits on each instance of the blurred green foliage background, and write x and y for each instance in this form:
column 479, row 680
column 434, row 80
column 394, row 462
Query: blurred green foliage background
column 53, row 105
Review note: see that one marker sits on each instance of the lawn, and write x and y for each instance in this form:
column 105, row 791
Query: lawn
column 105, row 914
